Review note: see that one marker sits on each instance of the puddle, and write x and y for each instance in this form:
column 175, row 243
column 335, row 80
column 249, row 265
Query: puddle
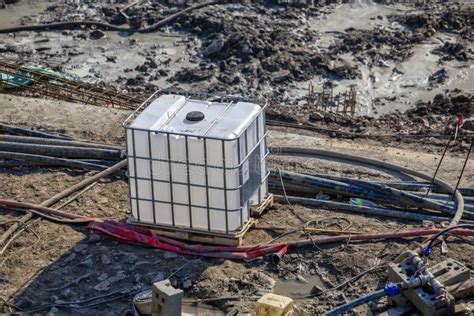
column 369, row 16
column 296, row 288
column 10, row 16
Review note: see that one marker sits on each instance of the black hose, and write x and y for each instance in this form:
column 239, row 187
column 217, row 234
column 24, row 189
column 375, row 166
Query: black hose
column 410, row 199
column 361, row 189
column 317, row 153
column 57, row 142
column 379, row 211
column 414, row 186
column 46, row 160
column 105, row 26
column 273, row 185
column 361, row 300
column 433, row 239
column 62, row 151
column 21, row 131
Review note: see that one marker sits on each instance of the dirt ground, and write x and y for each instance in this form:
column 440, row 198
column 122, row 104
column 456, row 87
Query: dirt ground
column 62, row 263
column 412, row 69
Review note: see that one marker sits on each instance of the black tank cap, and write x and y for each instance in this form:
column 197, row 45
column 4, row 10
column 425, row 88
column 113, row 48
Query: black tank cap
column 195, row 116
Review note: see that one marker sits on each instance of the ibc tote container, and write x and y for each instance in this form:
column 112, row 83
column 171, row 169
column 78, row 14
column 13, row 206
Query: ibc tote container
column 196, row 164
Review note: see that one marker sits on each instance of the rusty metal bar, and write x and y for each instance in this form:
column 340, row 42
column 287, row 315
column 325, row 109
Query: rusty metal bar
column 37, row 82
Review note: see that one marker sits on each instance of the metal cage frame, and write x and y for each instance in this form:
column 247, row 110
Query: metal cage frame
column 241, row 161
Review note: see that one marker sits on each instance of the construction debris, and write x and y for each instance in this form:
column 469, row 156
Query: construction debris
column 366, row 99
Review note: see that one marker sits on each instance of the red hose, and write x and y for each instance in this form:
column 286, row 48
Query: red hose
column 405, row 234
column 138, row 235
column 141, row 236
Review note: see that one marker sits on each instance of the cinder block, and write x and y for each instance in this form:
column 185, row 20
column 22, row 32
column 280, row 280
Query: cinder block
column 426, row 302
column 450, row 272
column 166, row 300
column 273, row 305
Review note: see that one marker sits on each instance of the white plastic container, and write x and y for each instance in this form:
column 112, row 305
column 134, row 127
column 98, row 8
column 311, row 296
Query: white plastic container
column 196, row 164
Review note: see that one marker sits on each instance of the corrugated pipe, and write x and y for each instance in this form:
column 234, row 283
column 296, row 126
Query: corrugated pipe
column 63, row 151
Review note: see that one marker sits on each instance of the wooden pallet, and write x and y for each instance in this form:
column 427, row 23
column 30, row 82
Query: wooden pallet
column 200, row 236
column 257, row 210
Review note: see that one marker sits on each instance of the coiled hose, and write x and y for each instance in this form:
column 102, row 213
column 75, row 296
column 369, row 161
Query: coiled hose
column 415, row 186
column 317, row 153
column 274, row 183
column 361, row 209
column 377, row 193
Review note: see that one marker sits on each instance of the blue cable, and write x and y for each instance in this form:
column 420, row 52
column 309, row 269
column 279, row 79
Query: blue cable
column 361, row 300
column 390, row 289
column 429, row 248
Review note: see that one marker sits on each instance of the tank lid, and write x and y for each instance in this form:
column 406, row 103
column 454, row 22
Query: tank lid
column 195, row 116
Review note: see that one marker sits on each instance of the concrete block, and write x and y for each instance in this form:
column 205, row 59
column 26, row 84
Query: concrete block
column 166, row 300
column 425, row 301
column 450, row 272
column 463, row 289
column 274, row 305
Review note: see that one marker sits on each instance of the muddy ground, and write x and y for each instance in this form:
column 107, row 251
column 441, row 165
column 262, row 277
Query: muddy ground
column 395, row 55
column 68, row 264
column 389, row 52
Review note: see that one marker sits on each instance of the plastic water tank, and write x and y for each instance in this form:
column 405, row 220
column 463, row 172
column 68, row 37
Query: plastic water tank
column 196, row 164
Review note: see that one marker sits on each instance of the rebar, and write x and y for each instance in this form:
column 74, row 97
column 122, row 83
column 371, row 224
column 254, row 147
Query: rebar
column 16, row 77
